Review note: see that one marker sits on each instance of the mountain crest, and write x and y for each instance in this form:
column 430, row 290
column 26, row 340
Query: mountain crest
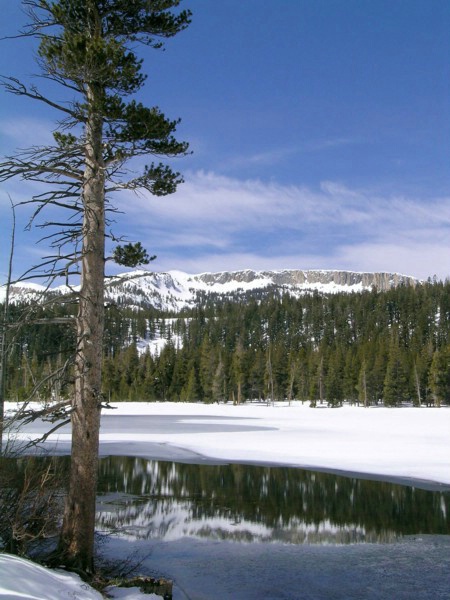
column 176, row 290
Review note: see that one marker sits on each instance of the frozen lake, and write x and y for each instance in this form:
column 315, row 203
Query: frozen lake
column 403, row 443
column 263, row 544
column 252, row 532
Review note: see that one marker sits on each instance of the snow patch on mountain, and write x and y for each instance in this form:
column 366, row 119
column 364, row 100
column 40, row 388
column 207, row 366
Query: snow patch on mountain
column 156, row 340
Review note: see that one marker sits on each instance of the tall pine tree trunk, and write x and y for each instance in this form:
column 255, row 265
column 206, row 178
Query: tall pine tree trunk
column 417, row 383
column 87, row 47
column 77, row 538
column 4, row 330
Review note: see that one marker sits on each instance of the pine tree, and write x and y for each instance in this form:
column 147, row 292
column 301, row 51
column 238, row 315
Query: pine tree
column 237, row 372
column 350, row 376
column 334, row 381
column 317, row 380
column 87, row 47
column 292, row 370
column 439, row 377
column 269, row 383
column 363, row 394
column 218, row 393
column 190, row 392
column 206, row 369
column 396, row 382
column 150, row 377
column 180, row 373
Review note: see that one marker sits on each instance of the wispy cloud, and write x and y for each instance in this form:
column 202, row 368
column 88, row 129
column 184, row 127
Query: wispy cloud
column 25, row 132
column 278, row 155
column 325, row 144
column 269, row 157
column 216, row 222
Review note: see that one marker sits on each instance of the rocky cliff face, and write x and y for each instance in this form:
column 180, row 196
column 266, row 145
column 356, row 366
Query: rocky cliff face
column 176, row 290
column 381, row 281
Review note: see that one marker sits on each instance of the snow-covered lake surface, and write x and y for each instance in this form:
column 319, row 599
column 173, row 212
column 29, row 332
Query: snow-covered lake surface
column 409, row 445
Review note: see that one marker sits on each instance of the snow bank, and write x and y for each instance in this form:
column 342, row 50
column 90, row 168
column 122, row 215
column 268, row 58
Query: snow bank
column 25, row 580
column 20, row 578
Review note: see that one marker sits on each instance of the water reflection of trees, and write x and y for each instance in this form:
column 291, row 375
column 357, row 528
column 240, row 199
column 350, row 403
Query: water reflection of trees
column 280, row 503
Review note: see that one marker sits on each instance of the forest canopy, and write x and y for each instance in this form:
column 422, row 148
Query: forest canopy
column 372, row 347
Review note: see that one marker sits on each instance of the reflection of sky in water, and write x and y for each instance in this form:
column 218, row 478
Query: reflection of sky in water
column 168, row 501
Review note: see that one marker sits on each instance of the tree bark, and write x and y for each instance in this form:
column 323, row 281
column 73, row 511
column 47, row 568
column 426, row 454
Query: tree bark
column 417, row 382
column 4, row 330
column 77, row 537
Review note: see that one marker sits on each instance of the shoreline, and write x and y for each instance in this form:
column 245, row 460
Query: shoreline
column 407, row 446
column 168, row 453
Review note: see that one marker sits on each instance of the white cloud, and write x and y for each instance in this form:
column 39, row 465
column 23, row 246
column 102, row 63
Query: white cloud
column 235, row 204
column 207, row 197
column 226, row 223
column 26, row 132
column 422, row 259
column 215, row 222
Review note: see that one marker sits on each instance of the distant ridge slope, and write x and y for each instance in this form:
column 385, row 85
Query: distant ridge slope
column 176, row 290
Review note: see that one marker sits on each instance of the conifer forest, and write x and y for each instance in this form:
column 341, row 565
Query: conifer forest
column 369, row 348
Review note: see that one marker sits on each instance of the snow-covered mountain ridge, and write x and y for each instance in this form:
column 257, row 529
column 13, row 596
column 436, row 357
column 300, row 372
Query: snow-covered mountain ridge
column 175, row 290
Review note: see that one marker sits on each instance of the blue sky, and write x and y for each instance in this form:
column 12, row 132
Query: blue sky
column 320, row 132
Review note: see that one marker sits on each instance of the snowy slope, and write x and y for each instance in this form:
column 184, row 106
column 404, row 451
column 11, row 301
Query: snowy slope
column 176, row 290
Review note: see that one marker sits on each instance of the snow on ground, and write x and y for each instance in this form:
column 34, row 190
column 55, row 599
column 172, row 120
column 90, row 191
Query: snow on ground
column 23, row 579
column 158, row 340
column 20, row 578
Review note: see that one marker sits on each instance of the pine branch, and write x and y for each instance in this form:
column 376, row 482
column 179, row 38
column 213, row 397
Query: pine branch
column 14, row 86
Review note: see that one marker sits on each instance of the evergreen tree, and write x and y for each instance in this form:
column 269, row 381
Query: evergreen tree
column 87, row 47
column 439, row 377
column 237, row 372
column 256, row 374
column 269, row 382
column 180, row 373
column 363, row 395
column 206, row 369
column 218, row 388
column 334, row 383
column 292, row 369
column 396, row 382
column 129, row 368
column 317, row 382
column 377, row 370
column 350, row 375
column 302, row 375
column 190, row 392
column 150, row 377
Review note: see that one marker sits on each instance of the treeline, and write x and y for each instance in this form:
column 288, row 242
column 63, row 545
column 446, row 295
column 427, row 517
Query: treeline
column 370, row 348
